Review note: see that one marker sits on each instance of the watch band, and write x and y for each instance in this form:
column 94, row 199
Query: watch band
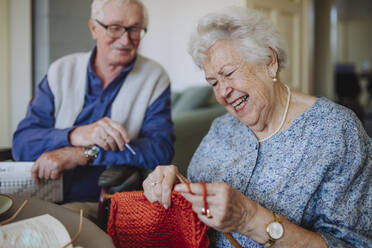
column 272, row 240
column 269, row 243
column 91, row 153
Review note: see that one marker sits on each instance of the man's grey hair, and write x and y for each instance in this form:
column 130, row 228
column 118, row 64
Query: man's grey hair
column 254, row 33
column 98, row 5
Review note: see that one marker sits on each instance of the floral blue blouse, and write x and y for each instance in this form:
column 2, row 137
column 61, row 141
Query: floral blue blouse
column 317, row 173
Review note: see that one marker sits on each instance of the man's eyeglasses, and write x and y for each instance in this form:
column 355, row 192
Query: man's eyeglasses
column 116, row 31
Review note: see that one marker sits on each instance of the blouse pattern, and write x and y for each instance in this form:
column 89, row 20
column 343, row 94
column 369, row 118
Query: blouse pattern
column 317, row 173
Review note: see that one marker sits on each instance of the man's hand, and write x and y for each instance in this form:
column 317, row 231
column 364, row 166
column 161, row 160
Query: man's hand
column 50, row 165
column 106, row 133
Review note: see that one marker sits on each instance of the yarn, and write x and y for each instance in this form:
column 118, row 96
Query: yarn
column 135, row 222
column 205, row 204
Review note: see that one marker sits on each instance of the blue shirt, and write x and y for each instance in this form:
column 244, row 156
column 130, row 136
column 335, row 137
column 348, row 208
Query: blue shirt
column 36, row 134
column 317, row 173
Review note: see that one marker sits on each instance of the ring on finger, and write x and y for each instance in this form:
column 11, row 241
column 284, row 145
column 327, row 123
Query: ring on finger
column 205, row 209
column 105, row 136
column 207, row 213
column 154, row 183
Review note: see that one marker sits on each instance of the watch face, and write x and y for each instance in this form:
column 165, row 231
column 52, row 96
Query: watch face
column 92, row 152
column 95, row 150
column 275, row 230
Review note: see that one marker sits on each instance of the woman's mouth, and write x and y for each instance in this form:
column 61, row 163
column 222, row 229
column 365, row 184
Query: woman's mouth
column 240, row 103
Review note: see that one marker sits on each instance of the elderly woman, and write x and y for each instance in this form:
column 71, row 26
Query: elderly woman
column 282, row 167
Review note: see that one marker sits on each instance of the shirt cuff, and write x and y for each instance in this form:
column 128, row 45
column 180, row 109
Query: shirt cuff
column 60, row 137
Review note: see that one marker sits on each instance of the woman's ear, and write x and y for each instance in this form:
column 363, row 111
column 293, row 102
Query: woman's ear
column 93, row 29
column 273, row 65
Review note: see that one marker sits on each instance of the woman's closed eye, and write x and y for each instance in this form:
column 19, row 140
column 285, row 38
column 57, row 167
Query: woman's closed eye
column 213, row 83
column 229, row 73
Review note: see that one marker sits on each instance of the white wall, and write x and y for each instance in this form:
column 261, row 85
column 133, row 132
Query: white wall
column 4, row 76
column 20, row 59
column 15, row 65
column 171, row 23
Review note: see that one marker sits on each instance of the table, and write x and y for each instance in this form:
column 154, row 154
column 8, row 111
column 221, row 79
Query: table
column 90, row 236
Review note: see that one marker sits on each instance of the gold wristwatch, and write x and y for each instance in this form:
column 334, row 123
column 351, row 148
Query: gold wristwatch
column 275, row 230
column 91, row 152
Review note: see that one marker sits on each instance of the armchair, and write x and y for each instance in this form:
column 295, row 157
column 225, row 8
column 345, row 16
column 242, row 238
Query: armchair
column 5, row 154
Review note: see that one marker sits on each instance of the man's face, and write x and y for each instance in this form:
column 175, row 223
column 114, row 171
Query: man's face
column 117, row 51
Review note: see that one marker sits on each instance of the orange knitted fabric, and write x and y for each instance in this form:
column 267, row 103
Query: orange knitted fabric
column 135, row 222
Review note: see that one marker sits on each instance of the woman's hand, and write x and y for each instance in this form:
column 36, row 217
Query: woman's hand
column 106, row 133
column 231, row 211
column 159, row 184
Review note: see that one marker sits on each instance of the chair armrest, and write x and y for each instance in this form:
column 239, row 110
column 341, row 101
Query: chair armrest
column 116, row 175
column 5, row 154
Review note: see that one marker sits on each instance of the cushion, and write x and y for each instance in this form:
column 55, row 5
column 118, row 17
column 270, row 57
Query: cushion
column 192, row 98
column 175, row 96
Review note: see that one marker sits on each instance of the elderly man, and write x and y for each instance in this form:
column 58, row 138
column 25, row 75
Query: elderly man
column 91, row 106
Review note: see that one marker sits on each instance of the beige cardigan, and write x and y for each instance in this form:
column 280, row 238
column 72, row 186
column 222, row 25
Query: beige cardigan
column 142, row 86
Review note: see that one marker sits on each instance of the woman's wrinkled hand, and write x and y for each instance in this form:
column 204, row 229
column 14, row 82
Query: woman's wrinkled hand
column 159, row 184
column 230, row 210
column 106, row 133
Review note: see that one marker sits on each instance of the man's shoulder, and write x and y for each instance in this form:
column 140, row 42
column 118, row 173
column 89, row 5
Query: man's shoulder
column 67, row 70
column 146, row 63
column 71, row 59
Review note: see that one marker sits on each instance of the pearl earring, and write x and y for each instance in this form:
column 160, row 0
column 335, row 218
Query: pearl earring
column 275, row 80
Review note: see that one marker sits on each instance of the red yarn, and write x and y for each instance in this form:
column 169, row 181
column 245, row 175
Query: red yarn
column 135, row 222
column 205, row 204
column 189, row 188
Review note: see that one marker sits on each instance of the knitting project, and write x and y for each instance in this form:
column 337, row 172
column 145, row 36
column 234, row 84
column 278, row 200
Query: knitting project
column 135, row 222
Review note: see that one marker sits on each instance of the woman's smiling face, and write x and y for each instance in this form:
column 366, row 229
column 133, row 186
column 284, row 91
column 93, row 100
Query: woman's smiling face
column 244, row 89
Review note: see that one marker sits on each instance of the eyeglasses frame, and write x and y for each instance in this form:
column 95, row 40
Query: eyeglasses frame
column 125, row 30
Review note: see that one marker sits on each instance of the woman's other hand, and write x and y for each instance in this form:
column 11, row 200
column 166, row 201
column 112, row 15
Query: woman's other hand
column 230, row 210
column 159, row 184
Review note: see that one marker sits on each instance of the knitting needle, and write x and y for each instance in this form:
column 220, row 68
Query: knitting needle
column 130, row 148
column 227, row 235
column 232, row 240
column 4, row 222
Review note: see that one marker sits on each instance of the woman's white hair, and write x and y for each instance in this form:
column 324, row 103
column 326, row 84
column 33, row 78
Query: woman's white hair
column 254, row 33
column 98, row 5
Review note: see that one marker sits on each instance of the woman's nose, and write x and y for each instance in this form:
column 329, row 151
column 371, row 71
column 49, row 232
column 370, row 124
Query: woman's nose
column 225, row 90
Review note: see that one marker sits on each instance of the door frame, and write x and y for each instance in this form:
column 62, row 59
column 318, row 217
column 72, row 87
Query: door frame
column 306, row 42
